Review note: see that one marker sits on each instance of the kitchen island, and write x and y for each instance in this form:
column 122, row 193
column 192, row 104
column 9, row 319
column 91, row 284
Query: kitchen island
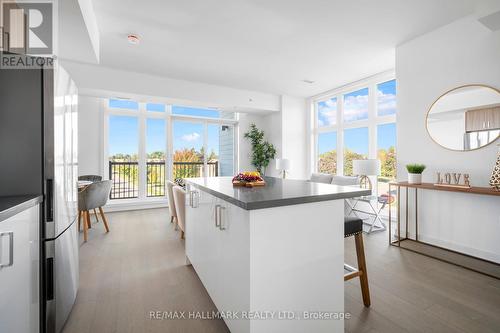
column 270, row 257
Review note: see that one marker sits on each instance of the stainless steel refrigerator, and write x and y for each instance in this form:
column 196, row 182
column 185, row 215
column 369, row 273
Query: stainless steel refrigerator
column 60, row 179
column 40, row 156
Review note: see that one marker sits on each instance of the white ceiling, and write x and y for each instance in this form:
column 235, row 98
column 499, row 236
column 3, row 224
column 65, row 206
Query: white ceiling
column 267, row 45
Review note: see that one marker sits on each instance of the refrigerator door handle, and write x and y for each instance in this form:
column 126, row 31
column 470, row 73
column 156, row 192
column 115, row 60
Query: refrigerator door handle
column 11, row 248
column 49, row 200
column 50, row 279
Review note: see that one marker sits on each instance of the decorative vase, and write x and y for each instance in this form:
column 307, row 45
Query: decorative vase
column 495, row 175
column 414, row 178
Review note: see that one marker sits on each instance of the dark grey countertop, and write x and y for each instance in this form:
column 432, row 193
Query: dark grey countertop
column 277, row 192
column 13, row 205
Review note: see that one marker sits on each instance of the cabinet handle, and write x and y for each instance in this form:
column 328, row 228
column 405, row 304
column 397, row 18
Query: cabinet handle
column 11, row 247
column 217, row 211
column 191, row 198
column 196, row 199
column 221, row 226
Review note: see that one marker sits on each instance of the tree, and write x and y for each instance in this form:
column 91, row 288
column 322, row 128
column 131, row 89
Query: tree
column 262, row 151
column 157, row 155
column 388, row 162
column 212, row 156
column 349, row 156
column 187, row 155
column 328, row 162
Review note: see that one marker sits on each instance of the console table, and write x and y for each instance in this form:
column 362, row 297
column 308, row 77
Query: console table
column 461, row 259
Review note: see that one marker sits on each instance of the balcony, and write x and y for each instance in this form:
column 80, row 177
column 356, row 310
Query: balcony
column 125, row 176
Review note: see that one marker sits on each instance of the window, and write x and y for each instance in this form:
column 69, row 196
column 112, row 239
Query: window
column 386, row 98
column 355, row 147
column 123, row 104
column 189, row 151
column 123, row 147
column 156, row 137
column 356, row 105
column 148, row 143
column 386, row 153
column 327, row 112
column 357, row 122
column 327, row 152
column 153, row 107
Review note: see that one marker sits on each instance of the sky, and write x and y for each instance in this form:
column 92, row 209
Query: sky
column 123, row 134
column 124, row 130
column 327, row 141
column 356, row 139
column 386, row 136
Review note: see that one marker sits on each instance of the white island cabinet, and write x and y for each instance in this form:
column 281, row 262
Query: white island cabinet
column 270, row 258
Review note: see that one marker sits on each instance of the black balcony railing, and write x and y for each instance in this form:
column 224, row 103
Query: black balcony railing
column 156, row 179
column 125, row 176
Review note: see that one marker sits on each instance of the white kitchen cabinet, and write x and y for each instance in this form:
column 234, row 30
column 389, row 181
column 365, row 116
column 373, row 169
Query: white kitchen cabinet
column 19, row 272
column 217, row 244
column 234, row 259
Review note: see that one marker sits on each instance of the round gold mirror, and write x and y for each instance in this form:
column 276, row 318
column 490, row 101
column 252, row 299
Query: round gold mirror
column 465, row 118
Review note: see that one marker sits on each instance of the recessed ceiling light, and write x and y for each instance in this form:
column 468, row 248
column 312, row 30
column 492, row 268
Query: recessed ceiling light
column 308, row 81
column 133, row 39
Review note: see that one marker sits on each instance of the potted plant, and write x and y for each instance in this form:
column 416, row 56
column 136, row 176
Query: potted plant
column 415, row 173
column 262, row 151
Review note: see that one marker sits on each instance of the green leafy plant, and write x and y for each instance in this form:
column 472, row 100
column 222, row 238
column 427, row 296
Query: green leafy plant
column 262, row 151
column 415, row 168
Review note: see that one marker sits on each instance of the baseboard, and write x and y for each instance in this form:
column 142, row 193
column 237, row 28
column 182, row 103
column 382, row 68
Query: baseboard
column 485, row 255
column 125, row 205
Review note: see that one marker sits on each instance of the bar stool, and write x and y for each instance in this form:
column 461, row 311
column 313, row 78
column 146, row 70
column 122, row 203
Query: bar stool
column 353, row 226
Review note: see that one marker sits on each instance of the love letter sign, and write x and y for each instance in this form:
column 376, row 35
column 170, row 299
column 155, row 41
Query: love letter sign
column 453, row 179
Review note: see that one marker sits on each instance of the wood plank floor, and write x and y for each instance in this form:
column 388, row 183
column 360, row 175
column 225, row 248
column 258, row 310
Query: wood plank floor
column 139, row 267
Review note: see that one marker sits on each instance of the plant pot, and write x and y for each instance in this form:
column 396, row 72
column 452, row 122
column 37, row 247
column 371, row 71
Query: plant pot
column 415, row 178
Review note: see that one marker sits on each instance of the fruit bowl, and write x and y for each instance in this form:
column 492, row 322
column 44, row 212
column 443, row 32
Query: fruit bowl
column 248, row 179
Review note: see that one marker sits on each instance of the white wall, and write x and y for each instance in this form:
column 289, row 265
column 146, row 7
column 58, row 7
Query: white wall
column 273, row 126
column 294, row 135
column 286, row 130
column 462, row 52
column 89, row 136
column 244, row 147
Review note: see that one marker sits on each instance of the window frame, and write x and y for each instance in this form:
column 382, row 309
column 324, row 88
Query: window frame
column 142, row 115
column 373, row 121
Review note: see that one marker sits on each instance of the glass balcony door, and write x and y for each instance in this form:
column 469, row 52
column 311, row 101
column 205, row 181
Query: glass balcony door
column 156, row 137
column 188, row 149
column 202, row 149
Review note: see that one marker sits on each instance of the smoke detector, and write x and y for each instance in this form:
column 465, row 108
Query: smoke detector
column 133, row 39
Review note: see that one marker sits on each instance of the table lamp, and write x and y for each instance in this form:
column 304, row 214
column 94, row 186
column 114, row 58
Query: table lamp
column 283, row 164
column 364, row 169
